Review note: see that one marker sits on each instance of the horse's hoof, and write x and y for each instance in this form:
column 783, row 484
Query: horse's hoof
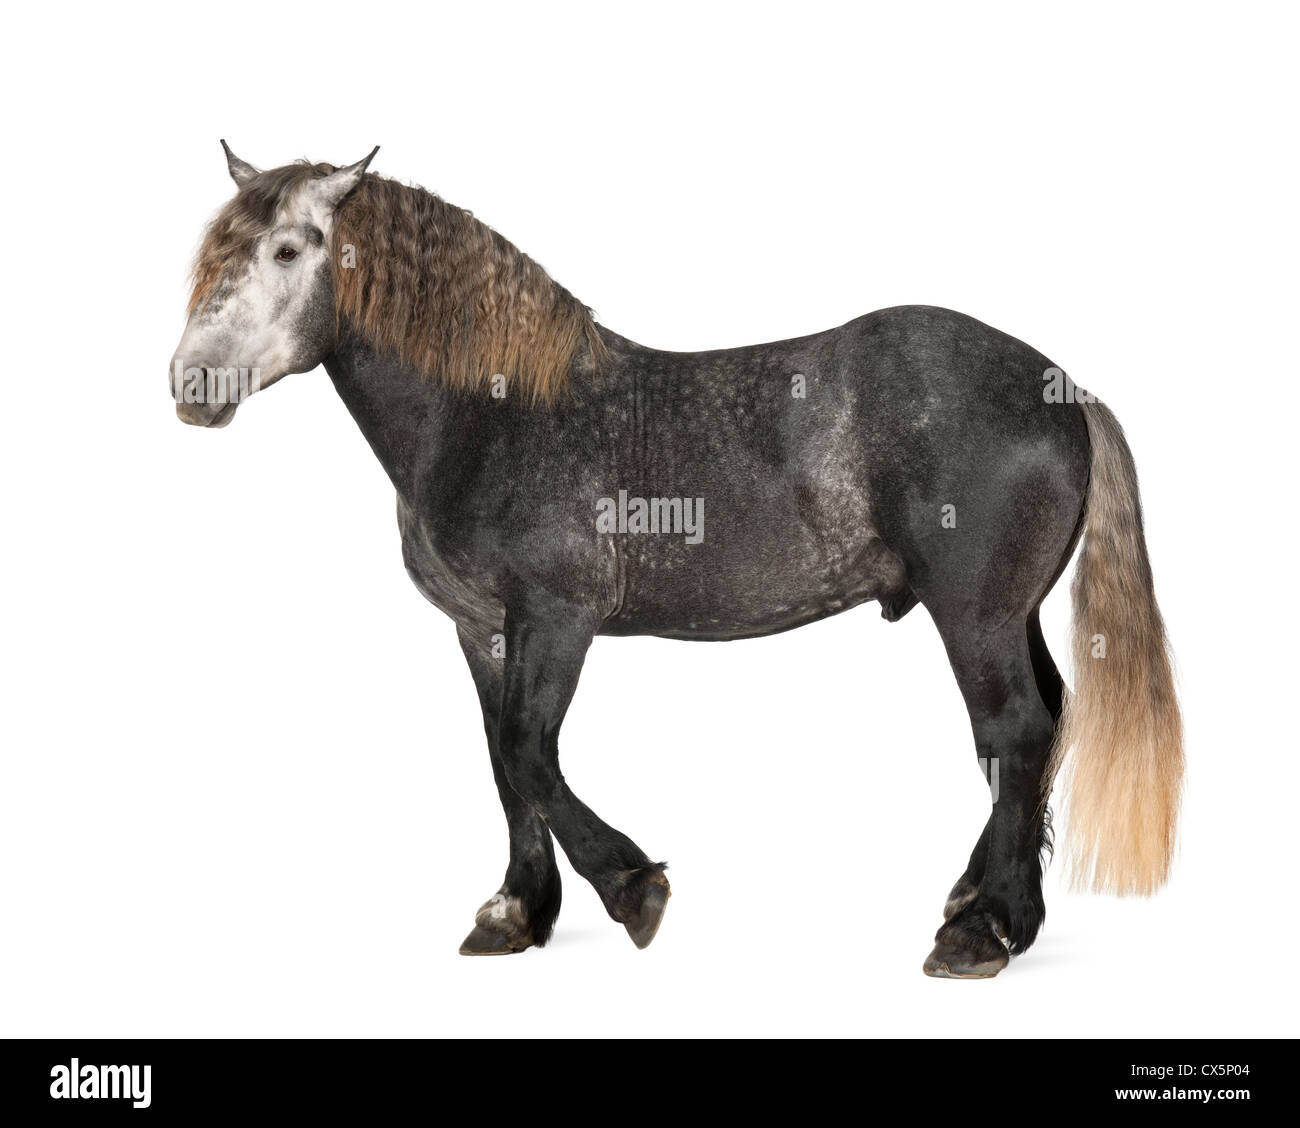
column 500, row 927
column 484, row 942
column 643, row 926
column 950, row 962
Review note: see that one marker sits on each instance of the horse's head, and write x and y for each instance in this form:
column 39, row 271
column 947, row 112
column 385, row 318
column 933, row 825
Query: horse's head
column 262, row 305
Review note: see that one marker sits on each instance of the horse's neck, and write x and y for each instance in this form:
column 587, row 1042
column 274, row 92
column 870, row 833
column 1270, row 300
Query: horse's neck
column 413, row 422
column 397, row 411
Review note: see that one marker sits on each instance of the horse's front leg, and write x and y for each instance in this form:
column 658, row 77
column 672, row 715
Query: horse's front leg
column 523, row 911
column 546, row 641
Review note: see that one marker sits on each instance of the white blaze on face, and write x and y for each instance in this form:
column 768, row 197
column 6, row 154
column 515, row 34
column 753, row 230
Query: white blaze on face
column 274, row 317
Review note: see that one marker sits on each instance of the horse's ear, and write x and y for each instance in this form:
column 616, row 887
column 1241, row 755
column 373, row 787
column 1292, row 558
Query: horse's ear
column 241, row 172
column 332, row 190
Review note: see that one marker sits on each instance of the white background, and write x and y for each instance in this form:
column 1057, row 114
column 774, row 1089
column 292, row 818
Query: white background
column 245, row 789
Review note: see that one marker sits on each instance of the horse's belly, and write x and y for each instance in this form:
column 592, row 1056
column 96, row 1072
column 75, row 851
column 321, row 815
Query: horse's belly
column 769, row 585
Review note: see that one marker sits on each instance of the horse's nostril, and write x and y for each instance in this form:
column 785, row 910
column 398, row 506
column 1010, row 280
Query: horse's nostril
column 190, row 383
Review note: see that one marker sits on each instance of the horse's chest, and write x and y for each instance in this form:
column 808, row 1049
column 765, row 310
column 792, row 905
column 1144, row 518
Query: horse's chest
column 456, row 591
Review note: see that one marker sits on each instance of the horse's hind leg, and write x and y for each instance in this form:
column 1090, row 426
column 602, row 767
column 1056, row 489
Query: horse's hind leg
column 968, row 885
column 1013, row 730
column 523, row 911
column 1052, row 691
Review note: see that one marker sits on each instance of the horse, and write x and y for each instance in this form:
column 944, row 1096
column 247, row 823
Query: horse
column 556, row 481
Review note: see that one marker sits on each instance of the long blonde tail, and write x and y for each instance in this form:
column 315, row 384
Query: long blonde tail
column 1121, row 738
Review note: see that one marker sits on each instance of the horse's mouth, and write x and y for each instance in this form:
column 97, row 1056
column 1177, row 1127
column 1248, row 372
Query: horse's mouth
column 205, row 415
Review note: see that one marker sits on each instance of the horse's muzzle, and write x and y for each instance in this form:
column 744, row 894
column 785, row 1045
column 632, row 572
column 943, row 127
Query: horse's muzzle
column 206, row 414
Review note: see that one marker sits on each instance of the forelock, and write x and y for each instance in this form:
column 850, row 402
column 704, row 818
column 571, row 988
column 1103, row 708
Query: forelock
column 231, row 236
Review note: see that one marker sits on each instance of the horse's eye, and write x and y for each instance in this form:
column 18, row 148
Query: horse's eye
column 286, row 254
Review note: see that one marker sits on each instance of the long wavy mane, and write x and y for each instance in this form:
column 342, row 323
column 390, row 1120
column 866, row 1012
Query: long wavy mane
column 423, row 280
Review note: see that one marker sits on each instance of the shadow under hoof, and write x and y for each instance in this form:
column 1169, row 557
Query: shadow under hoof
column 485, row 942
column 950, row 962
column 645, row 923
